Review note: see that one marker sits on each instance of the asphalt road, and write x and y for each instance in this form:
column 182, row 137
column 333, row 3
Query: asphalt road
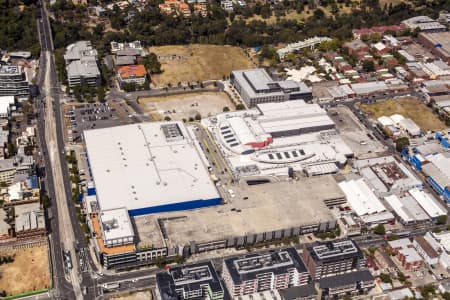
column 52, row 148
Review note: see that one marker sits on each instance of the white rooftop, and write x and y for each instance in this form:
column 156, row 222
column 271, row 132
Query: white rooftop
column 400, row 243
column 361, row 198
column 411, row 255
column 5, row 103
column 116, row 227
column 407, row 208
column 147, row 166
column 428, row 203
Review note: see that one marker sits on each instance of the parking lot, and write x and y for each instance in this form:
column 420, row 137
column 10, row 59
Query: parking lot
column 80, row 117
column 356, row 136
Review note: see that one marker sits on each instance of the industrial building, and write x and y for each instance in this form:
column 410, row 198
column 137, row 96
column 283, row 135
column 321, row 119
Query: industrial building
column 81, row 64
column 29, row 220
column 148, row 168
column 438, row 43
column 332, row 258
column 256, row 214
column 256, row 273
column 365, row 203
column 398, row 124
column 424, row 23
column 13, row 81
column 407, row 209
column 194, row 281
column 387, row 176
column 256, row 86
column 275, row 137
column 423, row 247
column 437, row 171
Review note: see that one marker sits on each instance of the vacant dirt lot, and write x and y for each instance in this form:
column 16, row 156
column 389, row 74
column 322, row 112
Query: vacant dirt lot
column 144, row 295
column 186, row 106
column 409, row 108
column 28, row 272
column 193, row 63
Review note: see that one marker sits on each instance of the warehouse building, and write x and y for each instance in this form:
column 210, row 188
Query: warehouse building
column 438, row 43
column 274, row 137
column 194, row 281
column 365, row 203
column 332, row 258
column 29, row 220
column 148, row 168
column 256, row 86
column 256, row 273
column 387, row 176
column 424, row 23
column 407, row 209
column 423, row 247
column 438, row 173
column 429, row 204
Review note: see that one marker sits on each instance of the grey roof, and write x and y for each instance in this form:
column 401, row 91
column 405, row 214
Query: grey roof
column 6, row 164
column 29, row 217
column 188, row 278
column 296, row 292
column 85, row 68
column 79, row 50
column 125, row 60
column 129, row 52
column 334, row 250
column 249, row 267
column 258, row 82
column 345, row 279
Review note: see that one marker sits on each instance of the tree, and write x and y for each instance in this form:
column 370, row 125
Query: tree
column 198, row 117
column 368, row 66
column 240, row 106
column 385, row 278
column 401, row 143
column 225, row 109
column 167, row 118
column 441, row 220
column 401, row 277
column 159, row 262
column 152, row 64
column 379, row 229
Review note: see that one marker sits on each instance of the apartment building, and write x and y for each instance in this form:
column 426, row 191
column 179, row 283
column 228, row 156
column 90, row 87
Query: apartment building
column 264, row 272
column 332, row 258
column 196, row 281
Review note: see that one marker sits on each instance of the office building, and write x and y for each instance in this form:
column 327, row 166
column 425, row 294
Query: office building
column 194, row 281
column 332, row 258
column 13, row 81
column 136, row 74
column 263, row 272
column 256, row 86
column 81, row 64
